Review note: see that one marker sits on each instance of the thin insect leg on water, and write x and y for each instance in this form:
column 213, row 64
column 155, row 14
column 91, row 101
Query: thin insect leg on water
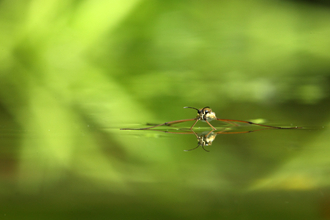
column 206, row 114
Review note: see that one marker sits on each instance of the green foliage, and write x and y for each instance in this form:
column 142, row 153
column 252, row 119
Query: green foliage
column 73, row 72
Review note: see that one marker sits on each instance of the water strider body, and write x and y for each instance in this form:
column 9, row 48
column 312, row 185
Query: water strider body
column 206, row 114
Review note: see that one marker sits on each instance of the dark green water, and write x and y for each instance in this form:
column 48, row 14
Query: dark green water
column 263, row 174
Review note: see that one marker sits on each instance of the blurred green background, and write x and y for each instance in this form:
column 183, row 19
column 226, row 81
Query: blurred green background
column 73, row 72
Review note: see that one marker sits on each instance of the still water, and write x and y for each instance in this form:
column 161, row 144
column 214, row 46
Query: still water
column 266, row 174
column 248, row 173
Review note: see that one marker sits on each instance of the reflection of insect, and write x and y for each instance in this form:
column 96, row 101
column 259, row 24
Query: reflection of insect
column 205, row 114
column 206, row 138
